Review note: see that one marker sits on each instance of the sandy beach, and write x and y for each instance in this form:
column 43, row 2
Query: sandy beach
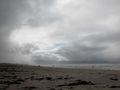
column 25, row 77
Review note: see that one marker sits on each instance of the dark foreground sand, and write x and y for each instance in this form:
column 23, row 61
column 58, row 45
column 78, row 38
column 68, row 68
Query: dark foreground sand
column 23, row 77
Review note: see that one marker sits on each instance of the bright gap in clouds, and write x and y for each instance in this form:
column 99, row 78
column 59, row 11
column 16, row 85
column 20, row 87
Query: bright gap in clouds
column 37, row 41
column 26, row 35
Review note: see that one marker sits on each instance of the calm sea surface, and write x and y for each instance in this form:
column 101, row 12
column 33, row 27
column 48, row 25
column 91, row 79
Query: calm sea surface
column 89, row 66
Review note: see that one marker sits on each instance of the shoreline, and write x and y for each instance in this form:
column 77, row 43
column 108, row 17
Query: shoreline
column 115, row 67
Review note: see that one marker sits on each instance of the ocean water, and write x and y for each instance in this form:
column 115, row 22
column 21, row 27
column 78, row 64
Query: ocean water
column 89, row 66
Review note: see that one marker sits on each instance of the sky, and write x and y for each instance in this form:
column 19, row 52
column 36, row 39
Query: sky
column 59, row 31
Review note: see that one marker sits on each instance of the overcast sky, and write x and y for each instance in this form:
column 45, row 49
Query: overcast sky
column 54, row 31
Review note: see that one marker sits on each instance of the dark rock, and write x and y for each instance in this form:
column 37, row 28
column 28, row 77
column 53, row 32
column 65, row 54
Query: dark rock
column 115, row 87
column 48, row 78
column 114, row 79
column 59, row 89
column 29, row 88
column 52, row 89
column 39, row 79
column 70, row 88
column 59, row 78
column 20, row 80
column 77, row 82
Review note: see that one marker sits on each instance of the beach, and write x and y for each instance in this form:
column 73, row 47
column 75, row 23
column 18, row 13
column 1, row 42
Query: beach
column 26, row 77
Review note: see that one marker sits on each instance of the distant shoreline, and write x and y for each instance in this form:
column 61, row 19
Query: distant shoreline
column 76, row 66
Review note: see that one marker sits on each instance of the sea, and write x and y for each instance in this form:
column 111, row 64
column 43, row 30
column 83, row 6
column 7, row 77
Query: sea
column 88, row 66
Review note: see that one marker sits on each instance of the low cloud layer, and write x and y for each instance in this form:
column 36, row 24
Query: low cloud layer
column 54, row 31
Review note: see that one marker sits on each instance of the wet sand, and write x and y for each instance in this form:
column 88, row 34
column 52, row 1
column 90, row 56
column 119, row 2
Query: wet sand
column 25, row 77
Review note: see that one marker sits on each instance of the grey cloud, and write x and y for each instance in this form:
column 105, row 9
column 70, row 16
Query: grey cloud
column 100, row 33
column 13, row 14
column 104, row 38
column 83, row 53
column 91, row 31
column 92, row 49
column 10, row 18
column 42, row 13
column 89, row 28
